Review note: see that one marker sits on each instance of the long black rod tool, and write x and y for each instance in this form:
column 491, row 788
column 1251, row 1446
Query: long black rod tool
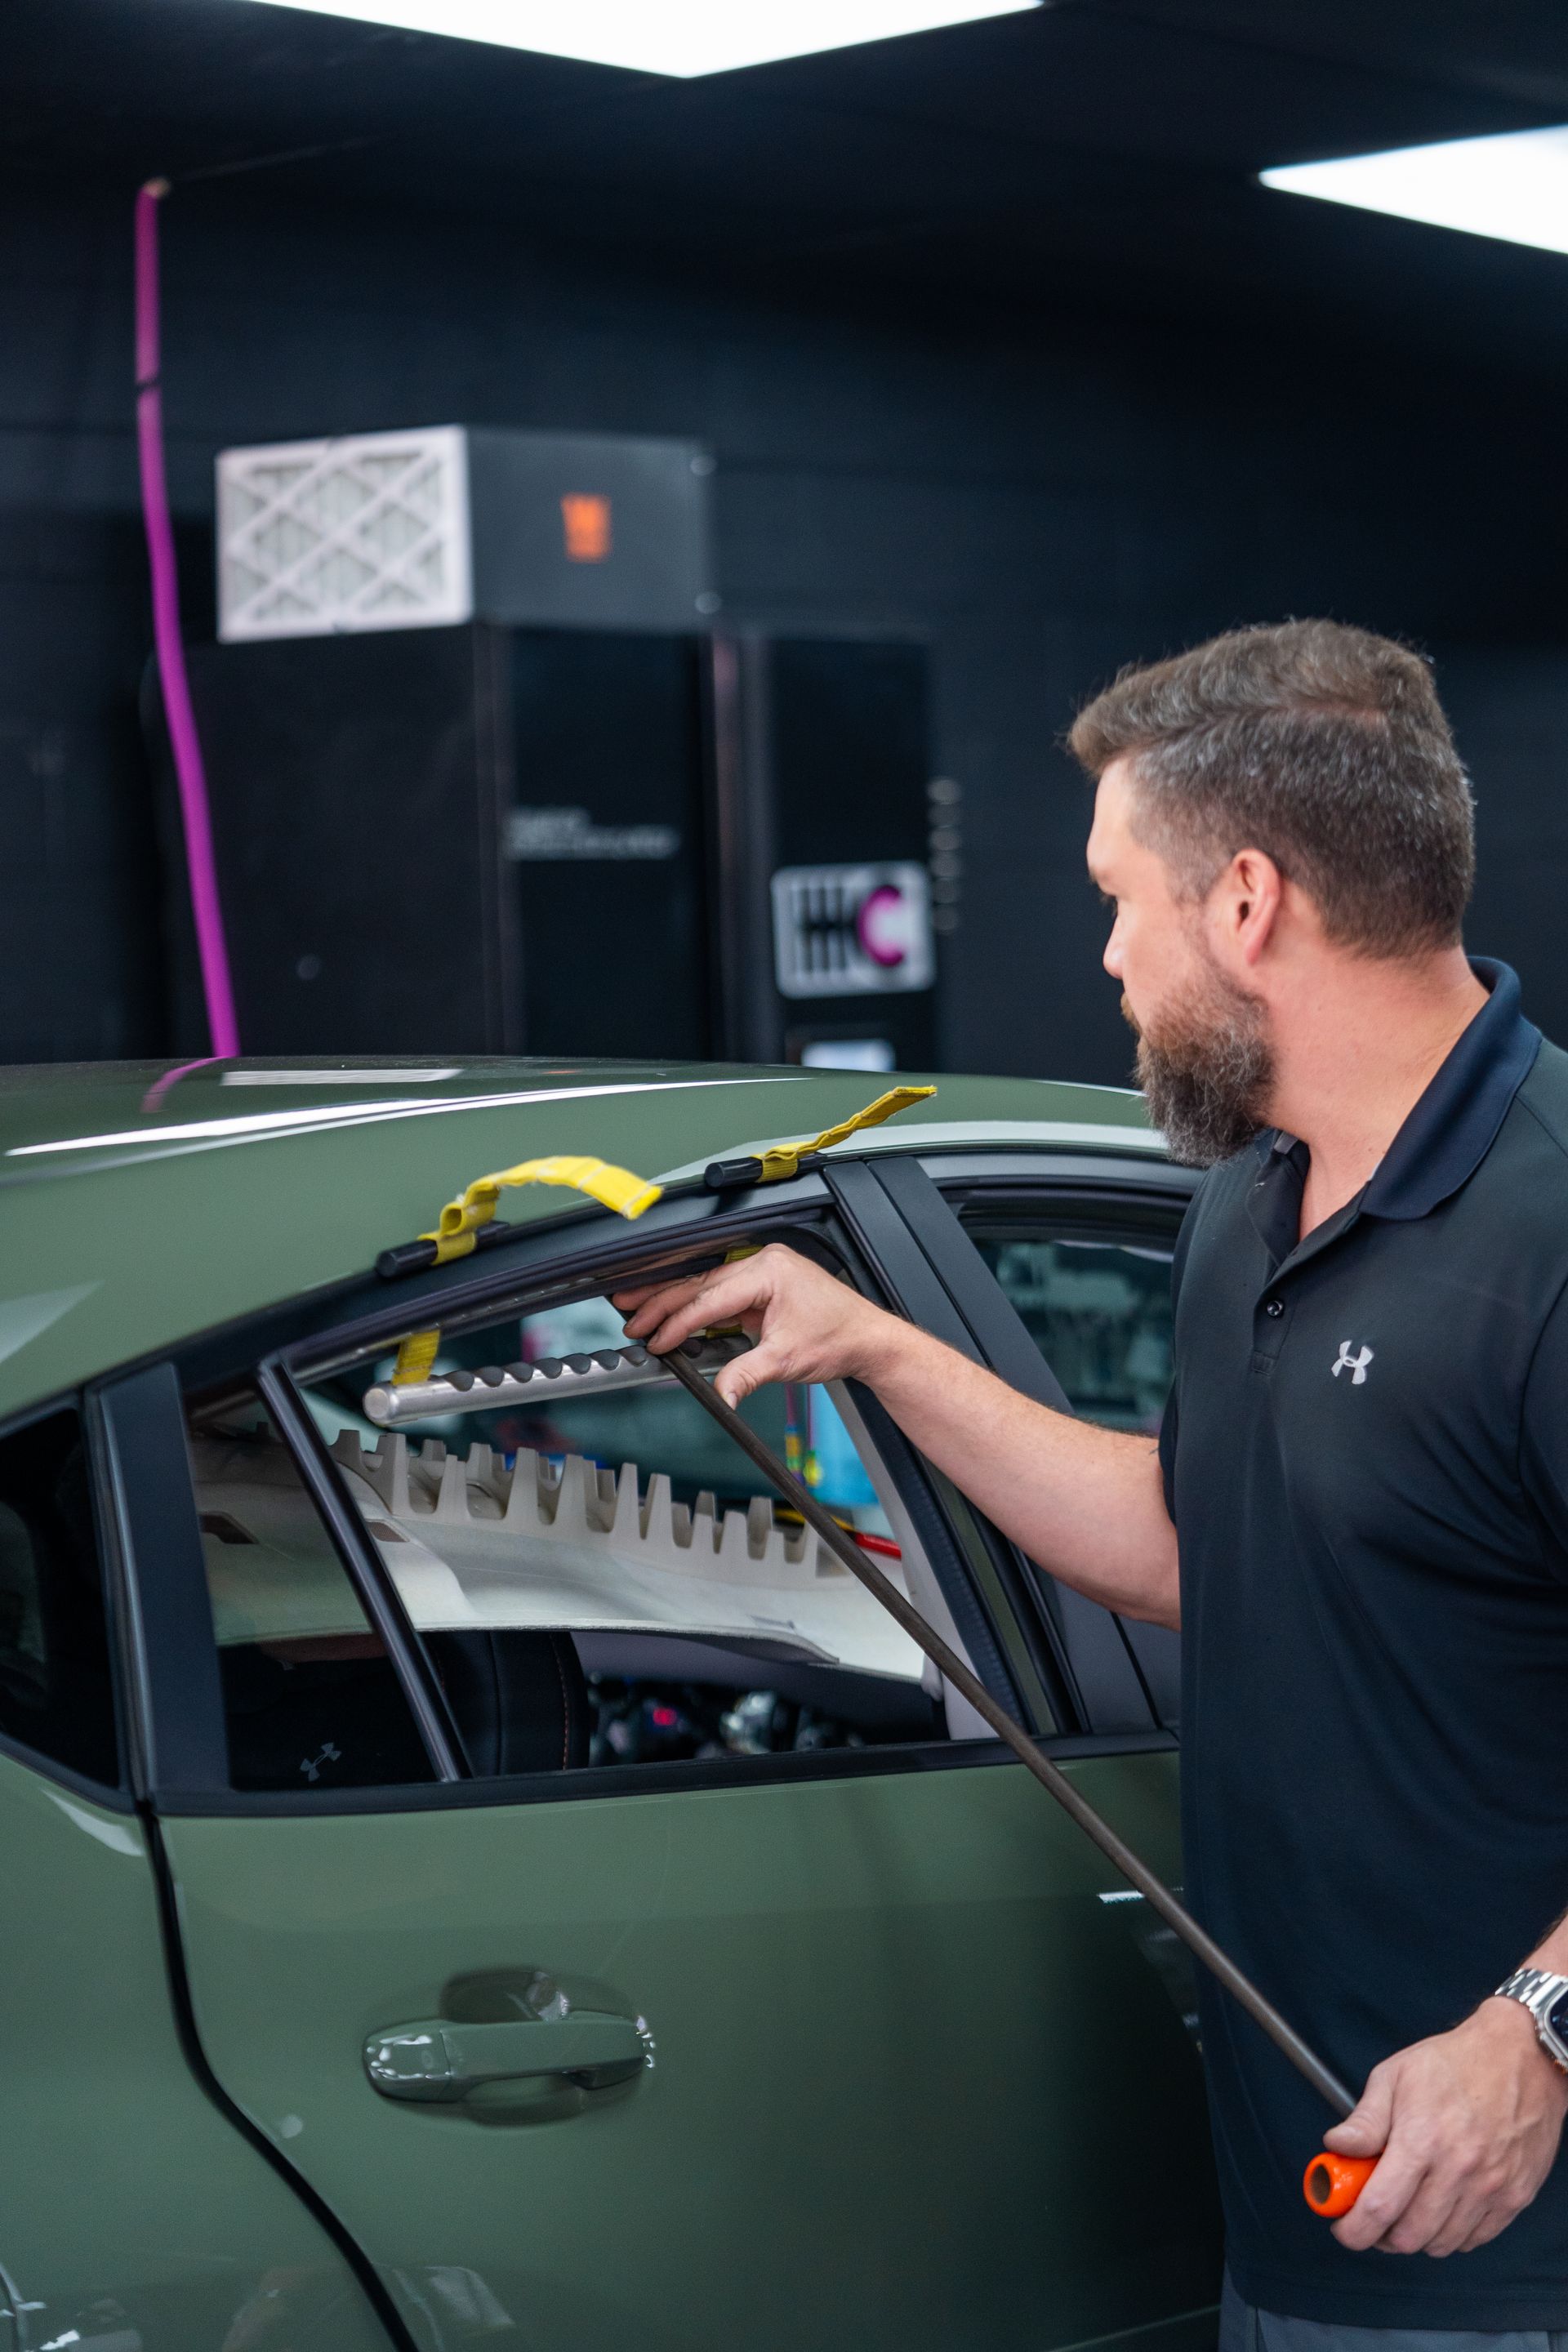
column 1050, row 1776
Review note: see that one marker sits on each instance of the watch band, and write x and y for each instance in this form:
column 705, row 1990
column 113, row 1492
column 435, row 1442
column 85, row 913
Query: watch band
column 1539, row 1992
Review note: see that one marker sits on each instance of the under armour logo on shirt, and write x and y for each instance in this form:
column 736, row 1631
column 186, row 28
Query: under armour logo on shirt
column 1354, row 1365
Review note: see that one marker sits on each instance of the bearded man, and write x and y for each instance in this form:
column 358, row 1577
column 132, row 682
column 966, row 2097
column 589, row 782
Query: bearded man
column 1357, row 1510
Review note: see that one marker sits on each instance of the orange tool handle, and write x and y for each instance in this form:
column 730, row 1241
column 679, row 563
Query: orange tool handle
column 1333, row 2183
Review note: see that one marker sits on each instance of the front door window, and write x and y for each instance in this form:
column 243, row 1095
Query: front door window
column 1099, row 1311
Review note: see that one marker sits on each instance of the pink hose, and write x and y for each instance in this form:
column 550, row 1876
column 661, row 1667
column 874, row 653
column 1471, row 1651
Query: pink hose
column 154, row 1097
column 184, row 740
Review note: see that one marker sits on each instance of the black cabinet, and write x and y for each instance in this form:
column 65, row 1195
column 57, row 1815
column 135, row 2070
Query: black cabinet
column 574, row 841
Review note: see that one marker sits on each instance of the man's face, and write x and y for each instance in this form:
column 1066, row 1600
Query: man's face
column 1152, row 946
column 1204, row 1057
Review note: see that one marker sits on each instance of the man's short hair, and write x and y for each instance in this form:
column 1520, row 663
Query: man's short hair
column 1324, row 747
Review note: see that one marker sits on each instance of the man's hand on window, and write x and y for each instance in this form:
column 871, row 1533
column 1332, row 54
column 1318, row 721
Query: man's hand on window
column 807, row 1325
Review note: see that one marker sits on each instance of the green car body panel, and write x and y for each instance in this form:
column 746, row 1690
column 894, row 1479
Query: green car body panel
column 127, row 1229
column 885, row 2108
column 132, row 2211
column 915, row 2082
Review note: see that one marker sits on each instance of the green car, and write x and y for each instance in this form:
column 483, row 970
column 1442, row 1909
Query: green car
column 477, row 1870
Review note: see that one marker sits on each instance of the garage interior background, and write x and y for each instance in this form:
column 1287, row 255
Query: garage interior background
column 992, row 332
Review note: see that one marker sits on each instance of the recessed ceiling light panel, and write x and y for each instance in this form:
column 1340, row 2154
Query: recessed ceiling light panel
column 1513, row 186
column 667, row 37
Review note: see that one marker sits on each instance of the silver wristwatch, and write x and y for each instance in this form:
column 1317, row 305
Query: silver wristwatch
column 1546, row 1998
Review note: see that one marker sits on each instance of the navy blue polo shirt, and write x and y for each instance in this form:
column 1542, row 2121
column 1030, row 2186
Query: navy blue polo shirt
column 1366, row 1459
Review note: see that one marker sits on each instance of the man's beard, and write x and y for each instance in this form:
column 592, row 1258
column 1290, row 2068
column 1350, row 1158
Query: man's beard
column 1207, row 1069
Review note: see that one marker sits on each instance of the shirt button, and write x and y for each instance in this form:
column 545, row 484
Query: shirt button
column 1274, row 1306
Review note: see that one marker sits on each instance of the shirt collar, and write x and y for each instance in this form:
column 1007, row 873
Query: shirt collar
column 1455, row 1124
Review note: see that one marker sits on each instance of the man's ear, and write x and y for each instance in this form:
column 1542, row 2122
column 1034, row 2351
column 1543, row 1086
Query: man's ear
column 1244, row 905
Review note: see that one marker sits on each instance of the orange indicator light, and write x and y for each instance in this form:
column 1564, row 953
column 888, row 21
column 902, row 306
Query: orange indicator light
column 585, row 522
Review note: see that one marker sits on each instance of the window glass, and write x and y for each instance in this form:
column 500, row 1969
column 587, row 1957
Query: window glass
column 56, row 1687
column 1099, row 1311
column 310, row 1698
column 602, row 1578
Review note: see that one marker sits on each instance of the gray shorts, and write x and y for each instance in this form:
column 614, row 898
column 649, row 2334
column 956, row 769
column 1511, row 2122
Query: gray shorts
column 1243, row 2328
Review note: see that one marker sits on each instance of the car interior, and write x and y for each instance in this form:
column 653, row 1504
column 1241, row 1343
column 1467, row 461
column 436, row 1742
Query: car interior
column 599, row 1576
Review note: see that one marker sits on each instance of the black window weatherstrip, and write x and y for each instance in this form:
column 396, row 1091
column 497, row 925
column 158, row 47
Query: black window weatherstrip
column 585, row 1784
column 1109, row 1688
column 948, row 1564
column 681, row 1226
column 1033, row 1171
column 559, row 1255
column 378, row 1593
column 170, row 1646
column 908, row 1278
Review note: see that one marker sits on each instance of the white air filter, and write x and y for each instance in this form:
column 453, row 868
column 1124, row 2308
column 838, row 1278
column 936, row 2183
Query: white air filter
column 368, row 531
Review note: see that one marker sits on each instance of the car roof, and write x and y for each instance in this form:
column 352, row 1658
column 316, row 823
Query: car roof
column 141, row 1202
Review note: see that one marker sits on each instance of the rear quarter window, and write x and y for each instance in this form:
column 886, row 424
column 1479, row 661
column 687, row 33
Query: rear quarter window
column 57, row 1695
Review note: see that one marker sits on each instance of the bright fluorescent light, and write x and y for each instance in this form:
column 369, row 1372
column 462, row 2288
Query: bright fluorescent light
column 337, row 1077
column 668, row 36
column 1513, row 186
column 319, row 1116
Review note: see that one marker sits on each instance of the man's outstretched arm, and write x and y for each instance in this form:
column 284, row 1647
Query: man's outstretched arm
column 1088, row 1503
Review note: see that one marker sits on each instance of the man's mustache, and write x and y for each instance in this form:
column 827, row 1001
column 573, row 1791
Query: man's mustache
column 1130, row 1016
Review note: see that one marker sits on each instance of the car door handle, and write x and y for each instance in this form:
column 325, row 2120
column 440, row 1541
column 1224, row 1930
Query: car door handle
column 437, row 2061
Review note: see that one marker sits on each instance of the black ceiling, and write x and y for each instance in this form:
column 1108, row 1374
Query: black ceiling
column 1097, row 152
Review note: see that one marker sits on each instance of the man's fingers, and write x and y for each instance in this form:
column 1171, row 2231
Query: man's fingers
column 1441, row 2211
column 1385, row 2198
column 1364, row 2131
column 1458, row 2232
column 753, row 1370
column 671, row 1315
column 696, row 1316
column 646, row 1306
column 801, row 1319
column 633, row 1296
column 1492, row 2221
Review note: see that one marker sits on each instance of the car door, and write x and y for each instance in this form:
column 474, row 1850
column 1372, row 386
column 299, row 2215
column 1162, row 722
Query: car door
column 836, row 2033
column 1054, row 1267
column 133, row 2216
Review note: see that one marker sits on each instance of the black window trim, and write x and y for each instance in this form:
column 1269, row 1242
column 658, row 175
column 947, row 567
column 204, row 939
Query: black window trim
column 65, row 1776
column 168, row 1645
column 991, row 1174
column 1004, row 1187
column 374, row 1583
column 587, row 1783
column 1082, row 1654
column 1039, row 1698
column 310, row 1334
column 1097, row 1658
